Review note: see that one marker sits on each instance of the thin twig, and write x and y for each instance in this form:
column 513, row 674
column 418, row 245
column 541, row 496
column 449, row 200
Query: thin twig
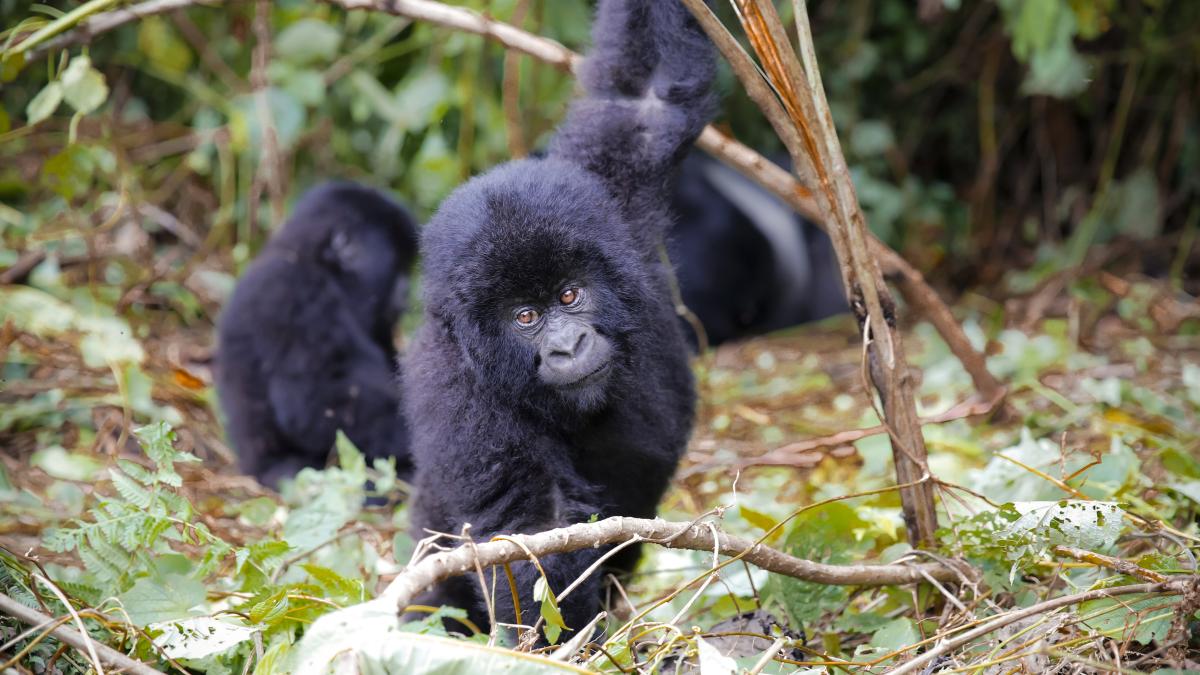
column 1176, row 586
column 72, row 637
column 1115, row 564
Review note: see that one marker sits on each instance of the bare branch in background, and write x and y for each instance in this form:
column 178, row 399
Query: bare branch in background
column 518, row 146
column 270, row 166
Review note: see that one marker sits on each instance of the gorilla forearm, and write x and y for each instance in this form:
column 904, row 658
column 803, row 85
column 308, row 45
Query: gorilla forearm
column 646, row 84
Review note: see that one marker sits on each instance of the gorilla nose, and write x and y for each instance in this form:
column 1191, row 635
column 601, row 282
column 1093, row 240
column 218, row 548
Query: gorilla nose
column 568, row 344
column 573, row 355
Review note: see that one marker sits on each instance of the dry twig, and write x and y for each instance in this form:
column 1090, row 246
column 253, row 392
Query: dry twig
column 1176, row 586
column 74, row 638
column 692, row 536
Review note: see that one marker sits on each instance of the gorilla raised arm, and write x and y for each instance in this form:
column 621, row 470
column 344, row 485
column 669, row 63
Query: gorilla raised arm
column 549, row 382
column 304, row 346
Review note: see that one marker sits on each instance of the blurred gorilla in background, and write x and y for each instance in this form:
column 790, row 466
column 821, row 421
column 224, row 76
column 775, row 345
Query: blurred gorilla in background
column 550, row 381
column 305, row 344
column 746, row 263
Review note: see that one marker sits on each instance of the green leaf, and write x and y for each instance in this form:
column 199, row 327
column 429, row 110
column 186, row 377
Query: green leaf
column 45, row 103
column 760, row 520
column 350, row 458
column 159, row 43
column 285, row 114
column 550, row 612
column 317, row 521
column 11, row 65
column 83, row 86
column 308, row 40
column 712, row 661
column 871, row 137
column 369, row 635
column 352, row 590
column 1146, row 620
column 130, row 489
column 822, row 535
column 896, row 634
column 199, row 637
column 57, row 462
column 164, row 599
column 273, row 662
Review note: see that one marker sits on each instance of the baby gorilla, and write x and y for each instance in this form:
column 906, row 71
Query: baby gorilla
column 550, row 382
column 304, row 346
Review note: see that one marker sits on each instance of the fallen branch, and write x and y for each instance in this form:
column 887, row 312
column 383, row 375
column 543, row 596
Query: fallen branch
column 745, row 160
column 74, row 638
column 691, row 536
column 1175, row 587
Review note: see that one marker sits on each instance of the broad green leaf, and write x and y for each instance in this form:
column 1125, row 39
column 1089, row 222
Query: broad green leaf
column 165, row 599
column 105, row 339
column 44, row 103
column 308, row 40
column 158, row 41
column 871, row 137
column 896, row 634
column 368, row 638
column 57, row 462
column 760, row 520
column 84, row 88
column 1147, row 619
column 317, row 521
column 274, row 660
column 822, row 535
column 549, row 610
column 1085, row 524
column 712, row 661
column 11, row 65
column 435, row 170
column 198, row 637
column 285, row 114
column 350, row 458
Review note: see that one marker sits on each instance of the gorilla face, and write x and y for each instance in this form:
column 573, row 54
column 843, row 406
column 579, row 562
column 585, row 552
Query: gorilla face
column 533, row 273
column 572, row 356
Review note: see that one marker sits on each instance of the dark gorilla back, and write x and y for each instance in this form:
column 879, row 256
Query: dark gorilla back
column 304, row 346
column 746, row 263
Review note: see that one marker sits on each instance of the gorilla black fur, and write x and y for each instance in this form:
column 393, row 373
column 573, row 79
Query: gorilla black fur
column 304, row 346
column 550, row 380
column 746, row 263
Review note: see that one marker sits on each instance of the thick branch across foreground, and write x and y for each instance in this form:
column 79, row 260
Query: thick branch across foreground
column 74, row 638
column 691, row 536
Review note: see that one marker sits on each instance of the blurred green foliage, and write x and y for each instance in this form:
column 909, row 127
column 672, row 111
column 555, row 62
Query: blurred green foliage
column 979, row 127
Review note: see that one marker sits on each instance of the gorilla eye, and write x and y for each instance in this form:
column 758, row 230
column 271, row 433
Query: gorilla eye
column 527, row 316
column 569, row 296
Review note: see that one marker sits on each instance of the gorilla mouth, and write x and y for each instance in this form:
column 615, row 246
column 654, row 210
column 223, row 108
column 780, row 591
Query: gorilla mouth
column 591, row 378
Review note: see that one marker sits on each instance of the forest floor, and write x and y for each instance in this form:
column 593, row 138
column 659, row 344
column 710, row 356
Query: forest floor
column 1103, row 404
